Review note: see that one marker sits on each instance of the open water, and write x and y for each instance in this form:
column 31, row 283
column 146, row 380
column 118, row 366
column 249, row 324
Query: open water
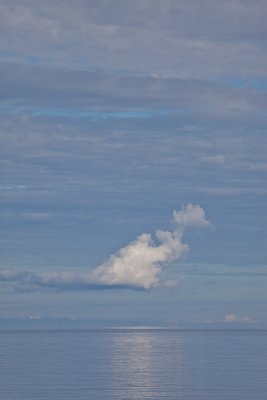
column 133, row 364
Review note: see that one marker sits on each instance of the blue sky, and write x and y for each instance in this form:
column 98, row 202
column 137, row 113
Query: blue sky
column 113, row 115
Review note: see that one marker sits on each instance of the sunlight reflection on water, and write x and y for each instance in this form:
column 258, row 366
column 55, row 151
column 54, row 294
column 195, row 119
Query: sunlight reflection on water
column 133, row 364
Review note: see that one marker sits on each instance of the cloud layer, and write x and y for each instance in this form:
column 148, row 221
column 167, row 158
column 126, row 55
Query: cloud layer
column 211, row 39
column 137, row 265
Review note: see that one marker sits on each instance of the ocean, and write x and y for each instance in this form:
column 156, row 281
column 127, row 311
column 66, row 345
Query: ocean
column 131, row 364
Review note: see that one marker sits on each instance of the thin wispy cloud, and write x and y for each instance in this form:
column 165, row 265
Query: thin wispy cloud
column 123, row 35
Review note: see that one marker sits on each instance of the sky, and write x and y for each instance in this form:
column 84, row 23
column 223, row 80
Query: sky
column 133, row 161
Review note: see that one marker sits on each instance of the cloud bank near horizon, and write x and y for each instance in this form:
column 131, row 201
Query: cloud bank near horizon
column 137, row 265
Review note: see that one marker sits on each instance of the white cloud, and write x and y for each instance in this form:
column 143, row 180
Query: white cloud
column 136, row 265
column 139, row 263
column 231, row 318
column 190, row 215
column 234, row 318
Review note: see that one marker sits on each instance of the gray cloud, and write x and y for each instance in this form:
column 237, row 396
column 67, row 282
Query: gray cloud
column 33, row 90
column 183, row 39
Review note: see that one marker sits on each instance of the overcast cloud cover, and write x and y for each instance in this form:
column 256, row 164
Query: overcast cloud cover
column 113, row 114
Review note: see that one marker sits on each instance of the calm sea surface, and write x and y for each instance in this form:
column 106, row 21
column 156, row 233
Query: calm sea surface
column 133, row 364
